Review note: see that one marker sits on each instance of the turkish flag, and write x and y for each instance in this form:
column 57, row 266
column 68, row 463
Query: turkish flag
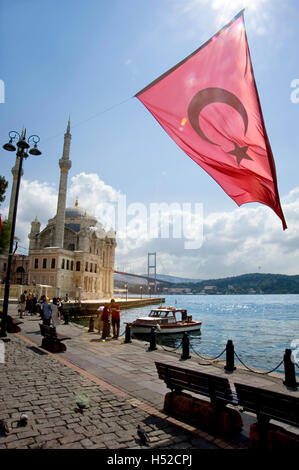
column 209, row 105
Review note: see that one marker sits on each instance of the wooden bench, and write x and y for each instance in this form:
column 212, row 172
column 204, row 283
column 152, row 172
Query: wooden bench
column 268, row 405
column 52, row 340
column 213, row 414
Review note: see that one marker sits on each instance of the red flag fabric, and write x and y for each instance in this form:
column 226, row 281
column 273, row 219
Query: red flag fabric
column 209, row 105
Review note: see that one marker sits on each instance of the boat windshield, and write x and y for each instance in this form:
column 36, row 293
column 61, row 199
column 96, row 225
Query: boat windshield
column 161, row 313
column 158, row 314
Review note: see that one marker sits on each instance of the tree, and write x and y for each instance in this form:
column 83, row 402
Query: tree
column 6, row 225
column 5, row 236
column 3, row 187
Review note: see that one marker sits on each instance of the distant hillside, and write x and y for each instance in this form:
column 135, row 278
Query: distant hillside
column 175, row 279
column 255, row 283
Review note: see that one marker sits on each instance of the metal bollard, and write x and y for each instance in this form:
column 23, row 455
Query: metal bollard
column 289, row 370
column 185, row 347
column 128, row 334
column 230, row 356
column 66, row 316
column 153, row 339
column 91, row 325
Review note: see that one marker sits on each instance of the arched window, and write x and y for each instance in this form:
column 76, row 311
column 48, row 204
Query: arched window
column 20, row 275
column 78, row 266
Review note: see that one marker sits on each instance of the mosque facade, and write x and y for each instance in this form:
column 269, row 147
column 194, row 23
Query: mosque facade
column 73, row 253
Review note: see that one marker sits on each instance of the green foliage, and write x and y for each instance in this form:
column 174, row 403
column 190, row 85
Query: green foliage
column 6, row 226
column 3, row 187
column 5, row 236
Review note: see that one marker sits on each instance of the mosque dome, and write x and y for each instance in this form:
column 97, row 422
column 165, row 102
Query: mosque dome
column 77, row 212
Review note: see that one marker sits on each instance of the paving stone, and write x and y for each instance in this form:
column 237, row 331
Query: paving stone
column 20, row 443
column 86, row 443
column 28, row 433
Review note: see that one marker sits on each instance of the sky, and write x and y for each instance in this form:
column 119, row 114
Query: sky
column 87, row 59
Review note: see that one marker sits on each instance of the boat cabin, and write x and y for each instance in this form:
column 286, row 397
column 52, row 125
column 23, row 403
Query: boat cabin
column 169, row 314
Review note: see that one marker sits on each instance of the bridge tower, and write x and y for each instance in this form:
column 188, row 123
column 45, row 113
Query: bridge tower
column 152, row 272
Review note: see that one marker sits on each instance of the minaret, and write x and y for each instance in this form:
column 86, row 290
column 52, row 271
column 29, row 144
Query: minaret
column 35, row 230
column 65, row 164
column 15, row 171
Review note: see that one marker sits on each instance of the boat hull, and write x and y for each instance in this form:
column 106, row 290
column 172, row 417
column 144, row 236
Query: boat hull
column 170, row 330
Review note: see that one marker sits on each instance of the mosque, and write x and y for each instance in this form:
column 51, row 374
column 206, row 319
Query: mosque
column 73, row 253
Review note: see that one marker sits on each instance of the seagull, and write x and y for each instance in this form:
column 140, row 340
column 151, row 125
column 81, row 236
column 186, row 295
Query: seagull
column 82, row 402
column 23, row 420
column 3, row 428
column 142, row 435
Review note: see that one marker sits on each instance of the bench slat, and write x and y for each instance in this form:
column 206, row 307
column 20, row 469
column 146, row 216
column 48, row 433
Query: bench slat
column 268, row 404
column 217, row 388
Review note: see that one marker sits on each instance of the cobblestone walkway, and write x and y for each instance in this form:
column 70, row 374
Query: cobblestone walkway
column 33, row 382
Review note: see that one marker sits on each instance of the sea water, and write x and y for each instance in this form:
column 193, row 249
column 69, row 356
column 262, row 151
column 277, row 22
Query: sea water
column 260, row 326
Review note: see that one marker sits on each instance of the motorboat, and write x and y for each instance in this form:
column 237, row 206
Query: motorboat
column 166, row 320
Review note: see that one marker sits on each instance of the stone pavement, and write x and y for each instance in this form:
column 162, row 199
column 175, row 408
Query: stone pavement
column 35, row 383
column 121, row 383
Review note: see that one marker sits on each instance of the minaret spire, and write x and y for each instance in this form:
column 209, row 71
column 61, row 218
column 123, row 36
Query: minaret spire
column 65, row 165
column 68, row 129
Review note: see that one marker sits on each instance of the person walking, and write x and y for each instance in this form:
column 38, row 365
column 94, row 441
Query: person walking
column 99, row 318
column 54, row 317
column 59, row 304
column 106, row 322
column 22, row 304
column 115, row 314
column 29, row 303
column 34, row 303
column 46, row 312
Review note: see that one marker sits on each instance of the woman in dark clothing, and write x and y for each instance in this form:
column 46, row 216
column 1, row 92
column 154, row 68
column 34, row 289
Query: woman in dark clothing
column 106, row 322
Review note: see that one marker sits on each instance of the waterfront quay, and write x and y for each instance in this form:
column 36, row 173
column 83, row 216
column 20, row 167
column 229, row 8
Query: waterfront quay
column 121, row 384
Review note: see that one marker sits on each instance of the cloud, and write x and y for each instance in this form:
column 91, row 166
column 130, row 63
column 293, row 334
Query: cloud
column 36, row 199
column 246, row 239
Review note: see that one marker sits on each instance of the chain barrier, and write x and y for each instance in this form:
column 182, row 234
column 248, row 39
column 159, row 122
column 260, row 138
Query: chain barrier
column 260, row 373
column 207, row 358
column 171, row 350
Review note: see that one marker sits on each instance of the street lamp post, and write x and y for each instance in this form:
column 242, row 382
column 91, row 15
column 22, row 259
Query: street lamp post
column 126, row 287
column 140, row 292
column 22, row 146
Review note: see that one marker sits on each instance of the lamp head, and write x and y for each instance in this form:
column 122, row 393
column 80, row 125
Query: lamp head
column 9, row 146
column 23, row 144
column 35, row 151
